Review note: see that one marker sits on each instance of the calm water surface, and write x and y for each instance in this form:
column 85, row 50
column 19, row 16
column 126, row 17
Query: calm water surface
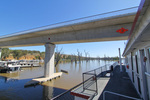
column 12, row 84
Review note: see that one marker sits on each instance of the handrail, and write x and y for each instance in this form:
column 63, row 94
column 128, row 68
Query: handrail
column 71, row 89
column 119, row 95
column 88, row 73
column 114, row 64
column 148, row 74
column 94, row 74
column 96, row 68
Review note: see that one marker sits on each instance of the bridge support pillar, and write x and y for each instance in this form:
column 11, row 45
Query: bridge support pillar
column 0, row 54
column 49, row 59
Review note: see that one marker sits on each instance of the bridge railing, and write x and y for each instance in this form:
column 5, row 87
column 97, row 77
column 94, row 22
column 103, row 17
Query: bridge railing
column 101, row 16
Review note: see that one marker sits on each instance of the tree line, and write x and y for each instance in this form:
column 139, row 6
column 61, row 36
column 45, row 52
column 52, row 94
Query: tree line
column 59, row 56
column 6, row 52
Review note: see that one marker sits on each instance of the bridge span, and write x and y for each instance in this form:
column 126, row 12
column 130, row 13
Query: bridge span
column 103, row 29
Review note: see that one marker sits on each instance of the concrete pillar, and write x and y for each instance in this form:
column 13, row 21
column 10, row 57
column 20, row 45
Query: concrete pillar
column 0, row 54
column 49, row 60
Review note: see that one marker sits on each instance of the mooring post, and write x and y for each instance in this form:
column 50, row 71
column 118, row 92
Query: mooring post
column 49, row 59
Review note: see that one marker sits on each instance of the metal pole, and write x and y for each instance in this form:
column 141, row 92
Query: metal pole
column 96, row 83
column 120, row 60
column 83, row 80
column 0, row 53
column 119, row 95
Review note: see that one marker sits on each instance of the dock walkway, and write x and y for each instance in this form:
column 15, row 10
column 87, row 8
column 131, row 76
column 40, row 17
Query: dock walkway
column 119, row 83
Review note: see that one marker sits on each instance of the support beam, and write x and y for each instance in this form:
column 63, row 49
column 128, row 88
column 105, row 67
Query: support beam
column 0, row 54
column 49, row 59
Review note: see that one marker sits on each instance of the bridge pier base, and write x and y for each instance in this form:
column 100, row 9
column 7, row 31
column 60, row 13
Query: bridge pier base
column 48, row 66
column 49, row 60
column 0, row 54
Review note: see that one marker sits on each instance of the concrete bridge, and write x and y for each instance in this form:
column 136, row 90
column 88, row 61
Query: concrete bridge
column 103, row 29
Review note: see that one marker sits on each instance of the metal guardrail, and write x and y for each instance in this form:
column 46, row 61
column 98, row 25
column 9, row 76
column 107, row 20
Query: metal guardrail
column 148, row 74
column 119, row 95
column 93, row 77
column 93, row 73
column 86, row 87
column 99, row 68
column 114, row 64
column 60, row 95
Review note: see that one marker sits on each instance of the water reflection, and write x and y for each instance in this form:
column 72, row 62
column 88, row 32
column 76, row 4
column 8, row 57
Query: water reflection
column 74, row 76
column 11, row 75
column 47, row 92
column 13, row 83
column 66, row 81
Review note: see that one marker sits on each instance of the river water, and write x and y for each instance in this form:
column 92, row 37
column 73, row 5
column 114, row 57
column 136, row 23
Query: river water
column 12, row 84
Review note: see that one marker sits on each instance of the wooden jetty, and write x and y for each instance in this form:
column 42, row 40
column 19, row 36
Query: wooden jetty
column 36, row 81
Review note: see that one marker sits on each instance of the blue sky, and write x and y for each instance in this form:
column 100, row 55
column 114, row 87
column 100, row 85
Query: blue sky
column 20, row 15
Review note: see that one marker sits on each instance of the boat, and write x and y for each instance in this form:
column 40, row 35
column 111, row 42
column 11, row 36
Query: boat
column 137, row 63
column 9, row 66
column 137, row 51
column 29, row 63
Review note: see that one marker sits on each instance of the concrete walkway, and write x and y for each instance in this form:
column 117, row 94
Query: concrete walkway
column 119, row 83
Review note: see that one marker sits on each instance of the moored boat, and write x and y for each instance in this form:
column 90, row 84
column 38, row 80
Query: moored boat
column 29, row 63
column 9, row 66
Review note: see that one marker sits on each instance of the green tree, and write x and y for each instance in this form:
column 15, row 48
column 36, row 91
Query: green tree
column 5, row 52
column 24, row 52
column 69, row 57
column 42, row 54
column 38, row 57
column 17, row 54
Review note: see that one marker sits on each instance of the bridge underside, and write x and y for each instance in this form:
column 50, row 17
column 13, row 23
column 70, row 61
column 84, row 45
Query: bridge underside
column 89, row 31
column 88, row 35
